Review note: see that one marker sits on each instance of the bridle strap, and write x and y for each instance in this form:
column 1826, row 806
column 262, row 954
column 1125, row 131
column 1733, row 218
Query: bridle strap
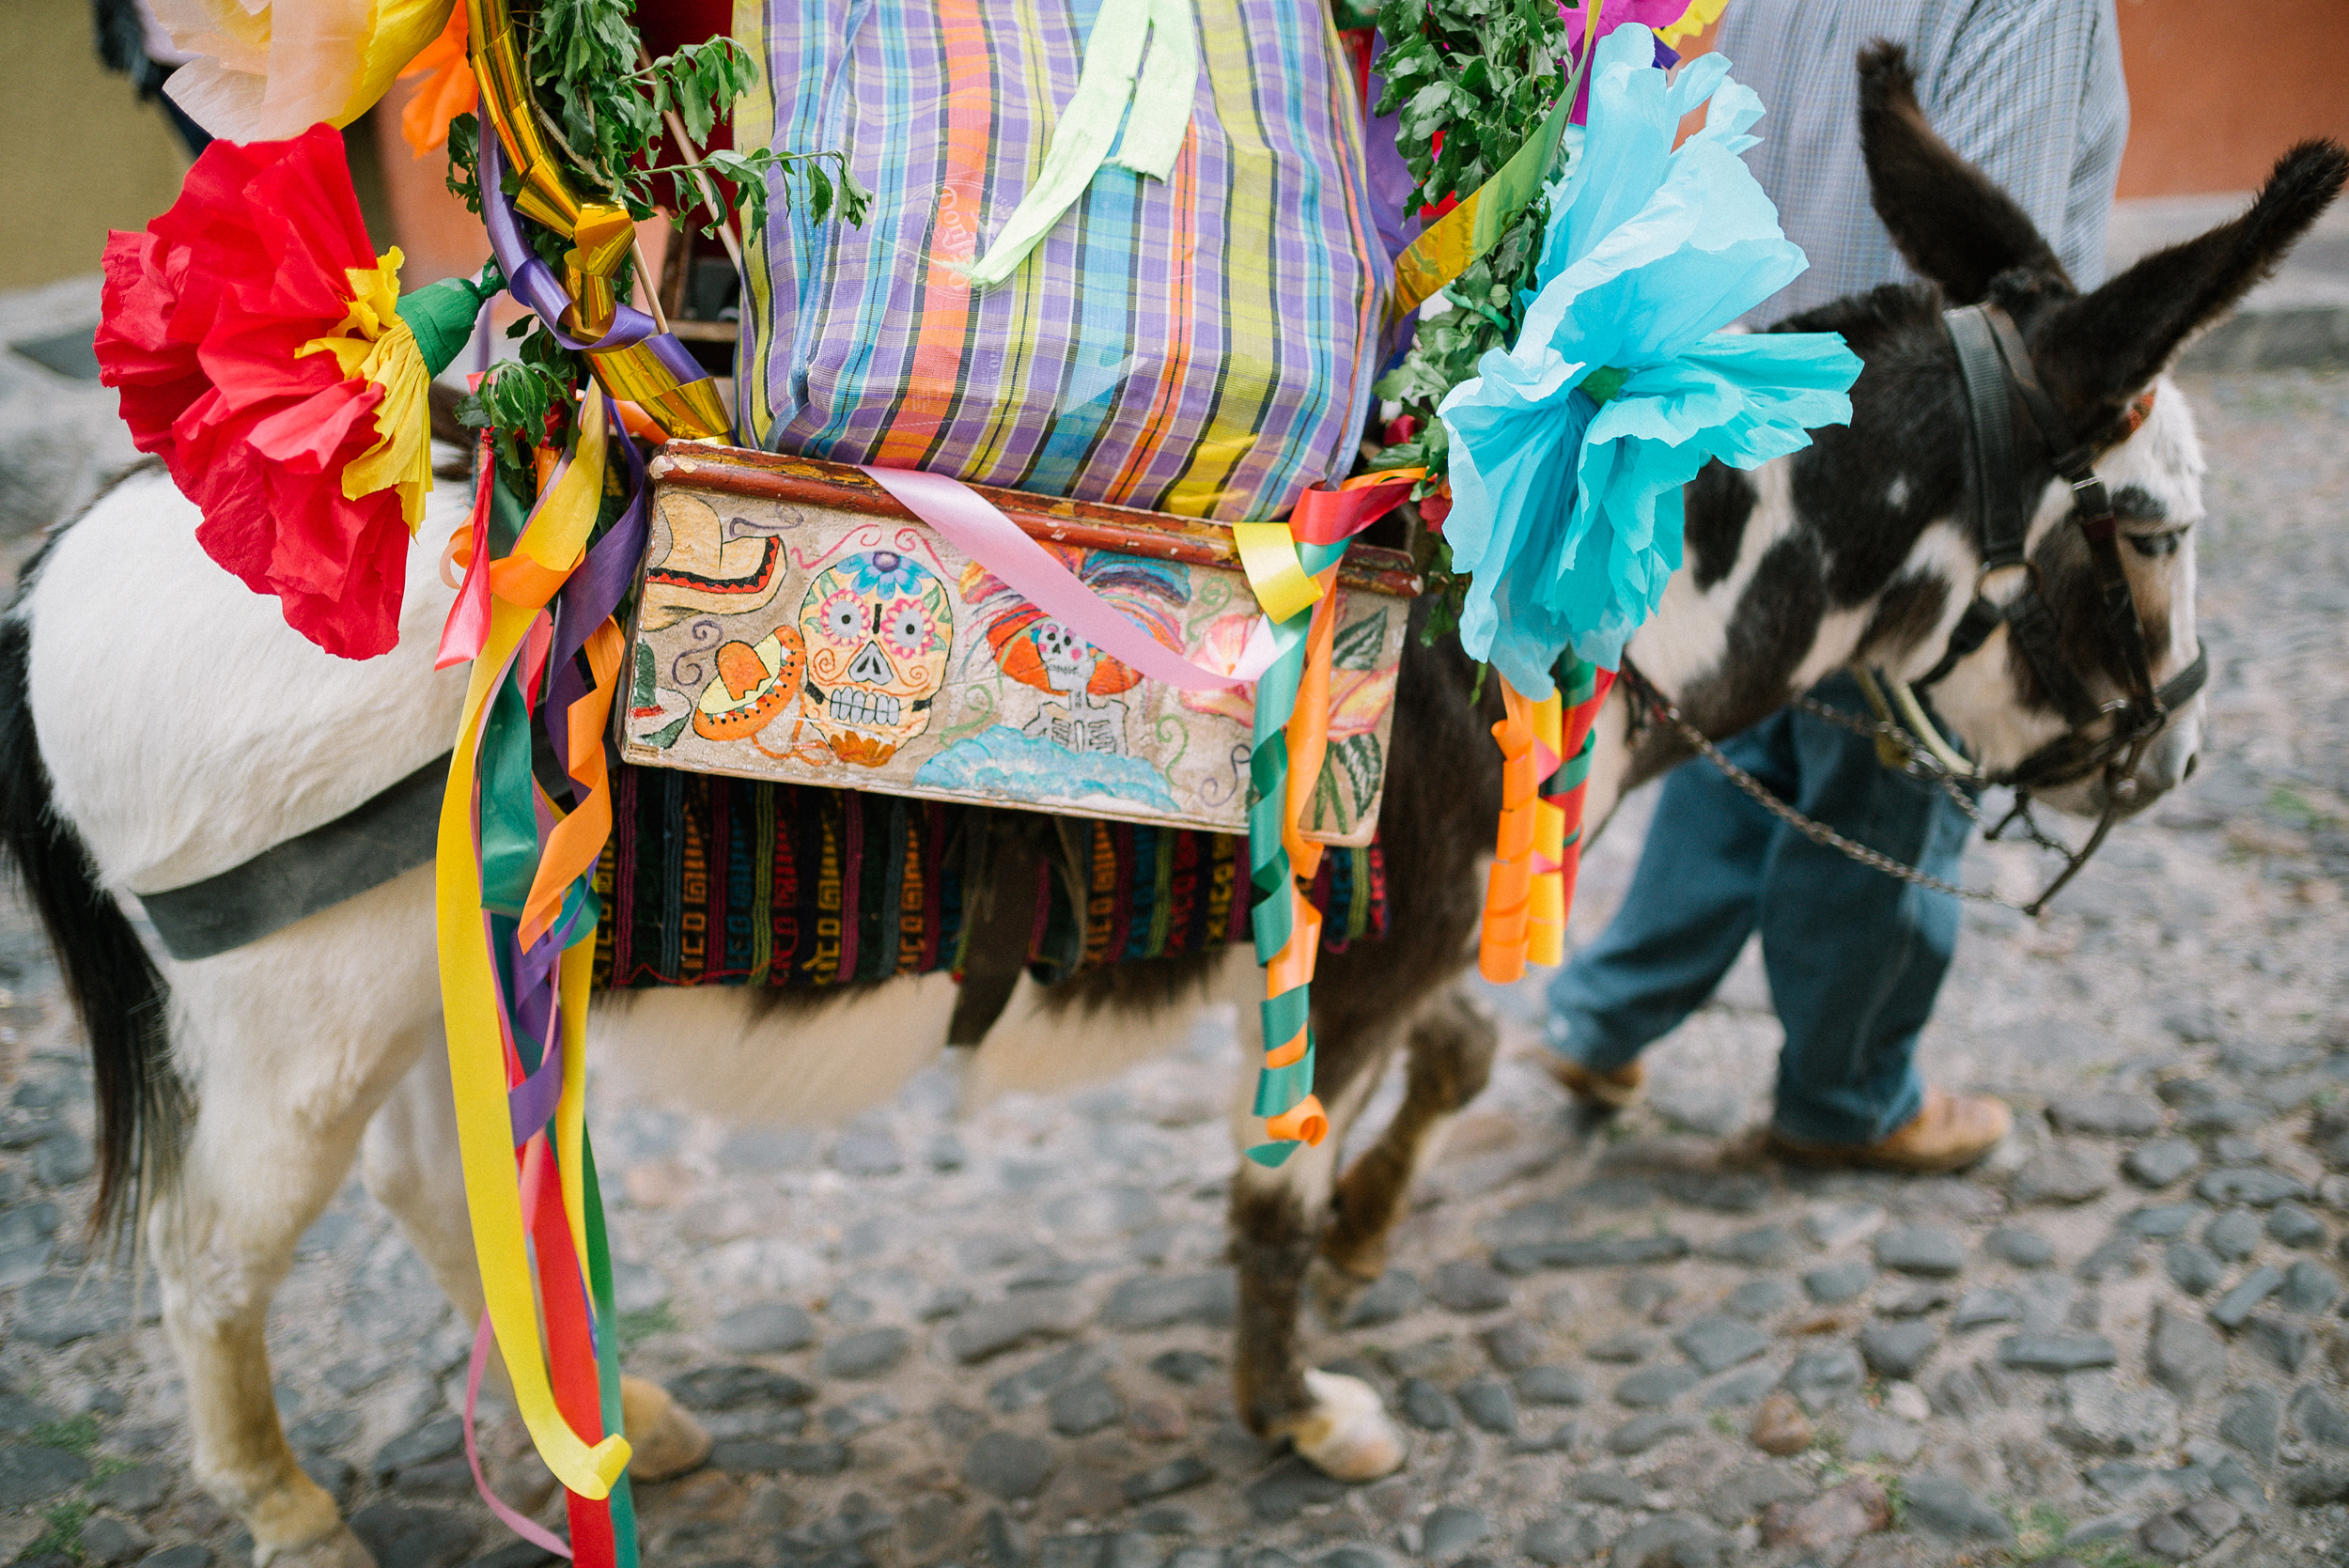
column 2003, row 506
column 2076, row 463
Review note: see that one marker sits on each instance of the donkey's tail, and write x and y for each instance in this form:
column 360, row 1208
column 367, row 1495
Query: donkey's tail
column 115, row 987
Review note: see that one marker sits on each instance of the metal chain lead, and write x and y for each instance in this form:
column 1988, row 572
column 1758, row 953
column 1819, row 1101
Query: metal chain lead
column 1818, row 832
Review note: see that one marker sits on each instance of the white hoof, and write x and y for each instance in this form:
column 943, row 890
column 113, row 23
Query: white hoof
column 1347, row 1434
column 336, row 1549
column 667, row 1441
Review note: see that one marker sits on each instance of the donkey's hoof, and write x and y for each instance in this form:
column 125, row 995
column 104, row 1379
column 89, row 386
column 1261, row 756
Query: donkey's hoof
column 1347, row 1432
column 663, row 1439
column 336, row 1549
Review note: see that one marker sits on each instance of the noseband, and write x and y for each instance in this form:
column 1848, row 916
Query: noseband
column 1994, row 363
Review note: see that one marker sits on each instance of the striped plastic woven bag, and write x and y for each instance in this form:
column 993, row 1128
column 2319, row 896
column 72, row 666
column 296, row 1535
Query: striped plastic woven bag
column 1201, row 344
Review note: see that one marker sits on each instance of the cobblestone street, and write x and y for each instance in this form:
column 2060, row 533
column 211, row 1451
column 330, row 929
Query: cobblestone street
column 1001, row 1338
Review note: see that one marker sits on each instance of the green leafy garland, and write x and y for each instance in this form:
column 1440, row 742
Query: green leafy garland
column 1480, row 75
column 603, row 108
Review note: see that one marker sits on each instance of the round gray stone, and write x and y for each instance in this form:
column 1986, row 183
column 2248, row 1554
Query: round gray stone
column 1928, row 1251
column 107, row 1539
column 1837, row 1282
column 2056, row 1352
column 1425, row 1406
column 1642, row 1433
column 2101, row 1416
column 2232, row 1234
column 1898, row 1350
column 1489, row 1402
column 1982, row 1306
column 1010, row 1465
column 2161, row 1161
column 2162, row 1222
column 2021, row 1246
column 866, row 1353
column 29, row 1473
column 1469, row 1285
column 767, row 1329
column 2309, row 1287
column 1451, row 1530
column 2318, row 1417
column 2293, row 1225
column 2255, row 1184
column 1650, row 1386
column 2182, row 1352
column 2063, row 1173
column 1553, row 1385
column 1944, row 1507
column 1715, row 1342
column 1820, row 1378
column 1087, row 1405
column 2253, row 1420
column 2193, row 1268
column 1760, row 1298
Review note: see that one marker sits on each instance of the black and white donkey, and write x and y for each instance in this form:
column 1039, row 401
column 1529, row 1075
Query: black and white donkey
column 243, row 1087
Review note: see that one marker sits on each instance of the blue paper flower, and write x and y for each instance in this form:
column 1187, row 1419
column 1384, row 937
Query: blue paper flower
column 1569, row 448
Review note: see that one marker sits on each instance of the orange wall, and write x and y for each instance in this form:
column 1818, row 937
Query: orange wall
column 2217, row 92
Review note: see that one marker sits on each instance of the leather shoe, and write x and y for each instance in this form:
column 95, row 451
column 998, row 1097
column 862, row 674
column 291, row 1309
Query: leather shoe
column 1952, row 1133
column 1617, row 1090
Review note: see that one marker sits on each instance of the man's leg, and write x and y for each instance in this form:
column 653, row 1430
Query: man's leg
column 1856, row 957
column 1690, row 908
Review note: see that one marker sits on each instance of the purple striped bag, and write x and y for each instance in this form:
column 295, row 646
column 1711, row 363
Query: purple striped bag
column 1203, row 345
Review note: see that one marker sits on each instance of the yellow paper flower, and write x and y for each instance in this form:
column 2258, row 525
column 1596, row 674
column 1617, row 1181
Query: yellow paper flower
column 269, row 70
column 374, row 343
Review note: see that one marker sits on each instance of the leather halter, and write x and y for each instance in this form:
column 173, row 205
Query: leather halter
column 1995, row 367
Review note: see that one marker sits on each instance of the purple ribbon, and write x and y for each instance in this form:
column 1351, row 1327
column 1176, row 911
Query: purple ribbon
column 592, row 592
column 534, row 283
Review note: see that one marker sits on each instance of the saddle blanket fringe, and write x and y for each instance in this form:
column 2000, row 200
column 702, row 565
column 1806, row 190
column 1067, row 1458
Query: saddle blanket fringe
column 709, row 880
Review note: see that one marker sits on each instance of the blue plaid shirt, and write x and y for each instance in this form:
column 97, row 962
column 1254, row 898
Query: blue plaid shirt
column 2028, row 90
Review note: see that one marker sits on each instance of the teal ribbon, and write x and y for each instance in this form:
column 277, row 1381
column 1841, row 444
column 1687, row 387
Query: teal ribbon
column 1270, row 872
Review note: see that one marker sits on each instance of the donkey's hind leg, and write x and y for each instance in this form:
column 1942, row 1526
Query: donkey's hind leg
column 1448, row 1059
column 409, row 1163
column 1277, row 1215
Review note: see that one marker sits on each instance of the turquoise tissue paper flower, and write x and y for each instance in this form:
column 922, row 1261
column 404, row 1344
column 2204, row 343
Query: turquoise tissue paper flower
column 1568, row 449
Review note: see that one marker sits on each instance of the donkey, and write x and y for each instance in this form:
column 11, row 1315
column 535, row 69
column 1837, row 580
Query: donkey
column 235, row 1092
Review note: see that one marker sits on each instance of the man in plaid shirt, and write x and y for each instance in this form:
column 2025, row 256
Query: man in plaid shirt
column 2032, row 92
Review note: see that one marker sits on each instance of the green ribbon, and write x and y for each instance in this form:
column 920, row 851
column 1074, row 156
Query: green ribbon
column 1270, row 872
column 1160, row 90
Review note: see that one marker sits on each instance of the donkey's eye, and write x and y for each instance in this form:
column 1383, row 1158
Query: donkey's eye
column 2157, row 545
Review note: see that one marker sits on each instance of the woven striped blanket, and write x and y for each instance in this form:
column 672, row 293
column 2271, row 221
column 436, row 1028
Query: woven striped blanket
column 710, row 880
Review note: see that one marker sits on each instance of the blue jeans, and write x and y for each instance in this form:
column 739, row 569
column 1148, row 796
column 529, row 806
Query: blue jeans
column 1855, row 957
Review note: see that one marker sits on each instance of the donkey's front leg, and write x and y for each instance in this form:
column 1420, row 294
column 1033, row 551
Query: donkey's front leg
column 1277, row 1218
column 289, row 1044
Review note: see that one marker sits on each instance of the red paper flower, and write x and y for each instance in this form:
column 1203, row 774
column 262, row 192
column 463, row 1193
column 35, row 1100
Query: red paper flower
column 251, row 332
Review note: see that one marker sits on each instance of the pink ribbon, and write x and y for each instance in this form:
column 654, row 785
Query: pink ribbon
column 978, row 528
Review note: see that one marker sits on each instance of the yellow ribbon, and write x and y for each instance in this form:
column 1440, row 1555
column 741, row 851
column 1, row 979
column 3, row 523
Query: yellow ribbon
column 1267, row 554
column 470, row 1007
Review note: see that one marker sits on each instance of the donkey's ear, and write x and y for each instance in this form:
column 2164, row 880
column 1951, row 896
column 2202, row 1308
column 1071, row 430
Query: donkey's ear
column 1950, row 221
column 2098, row 351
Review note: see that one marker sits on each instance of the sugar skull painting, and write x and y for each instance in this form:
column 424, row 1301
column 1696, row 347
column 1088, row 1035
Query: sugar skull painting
column 877, row 627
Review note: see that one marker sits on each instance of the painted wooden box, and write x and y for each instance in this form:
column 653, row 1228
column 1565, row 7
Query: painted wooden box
column 793, row 622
